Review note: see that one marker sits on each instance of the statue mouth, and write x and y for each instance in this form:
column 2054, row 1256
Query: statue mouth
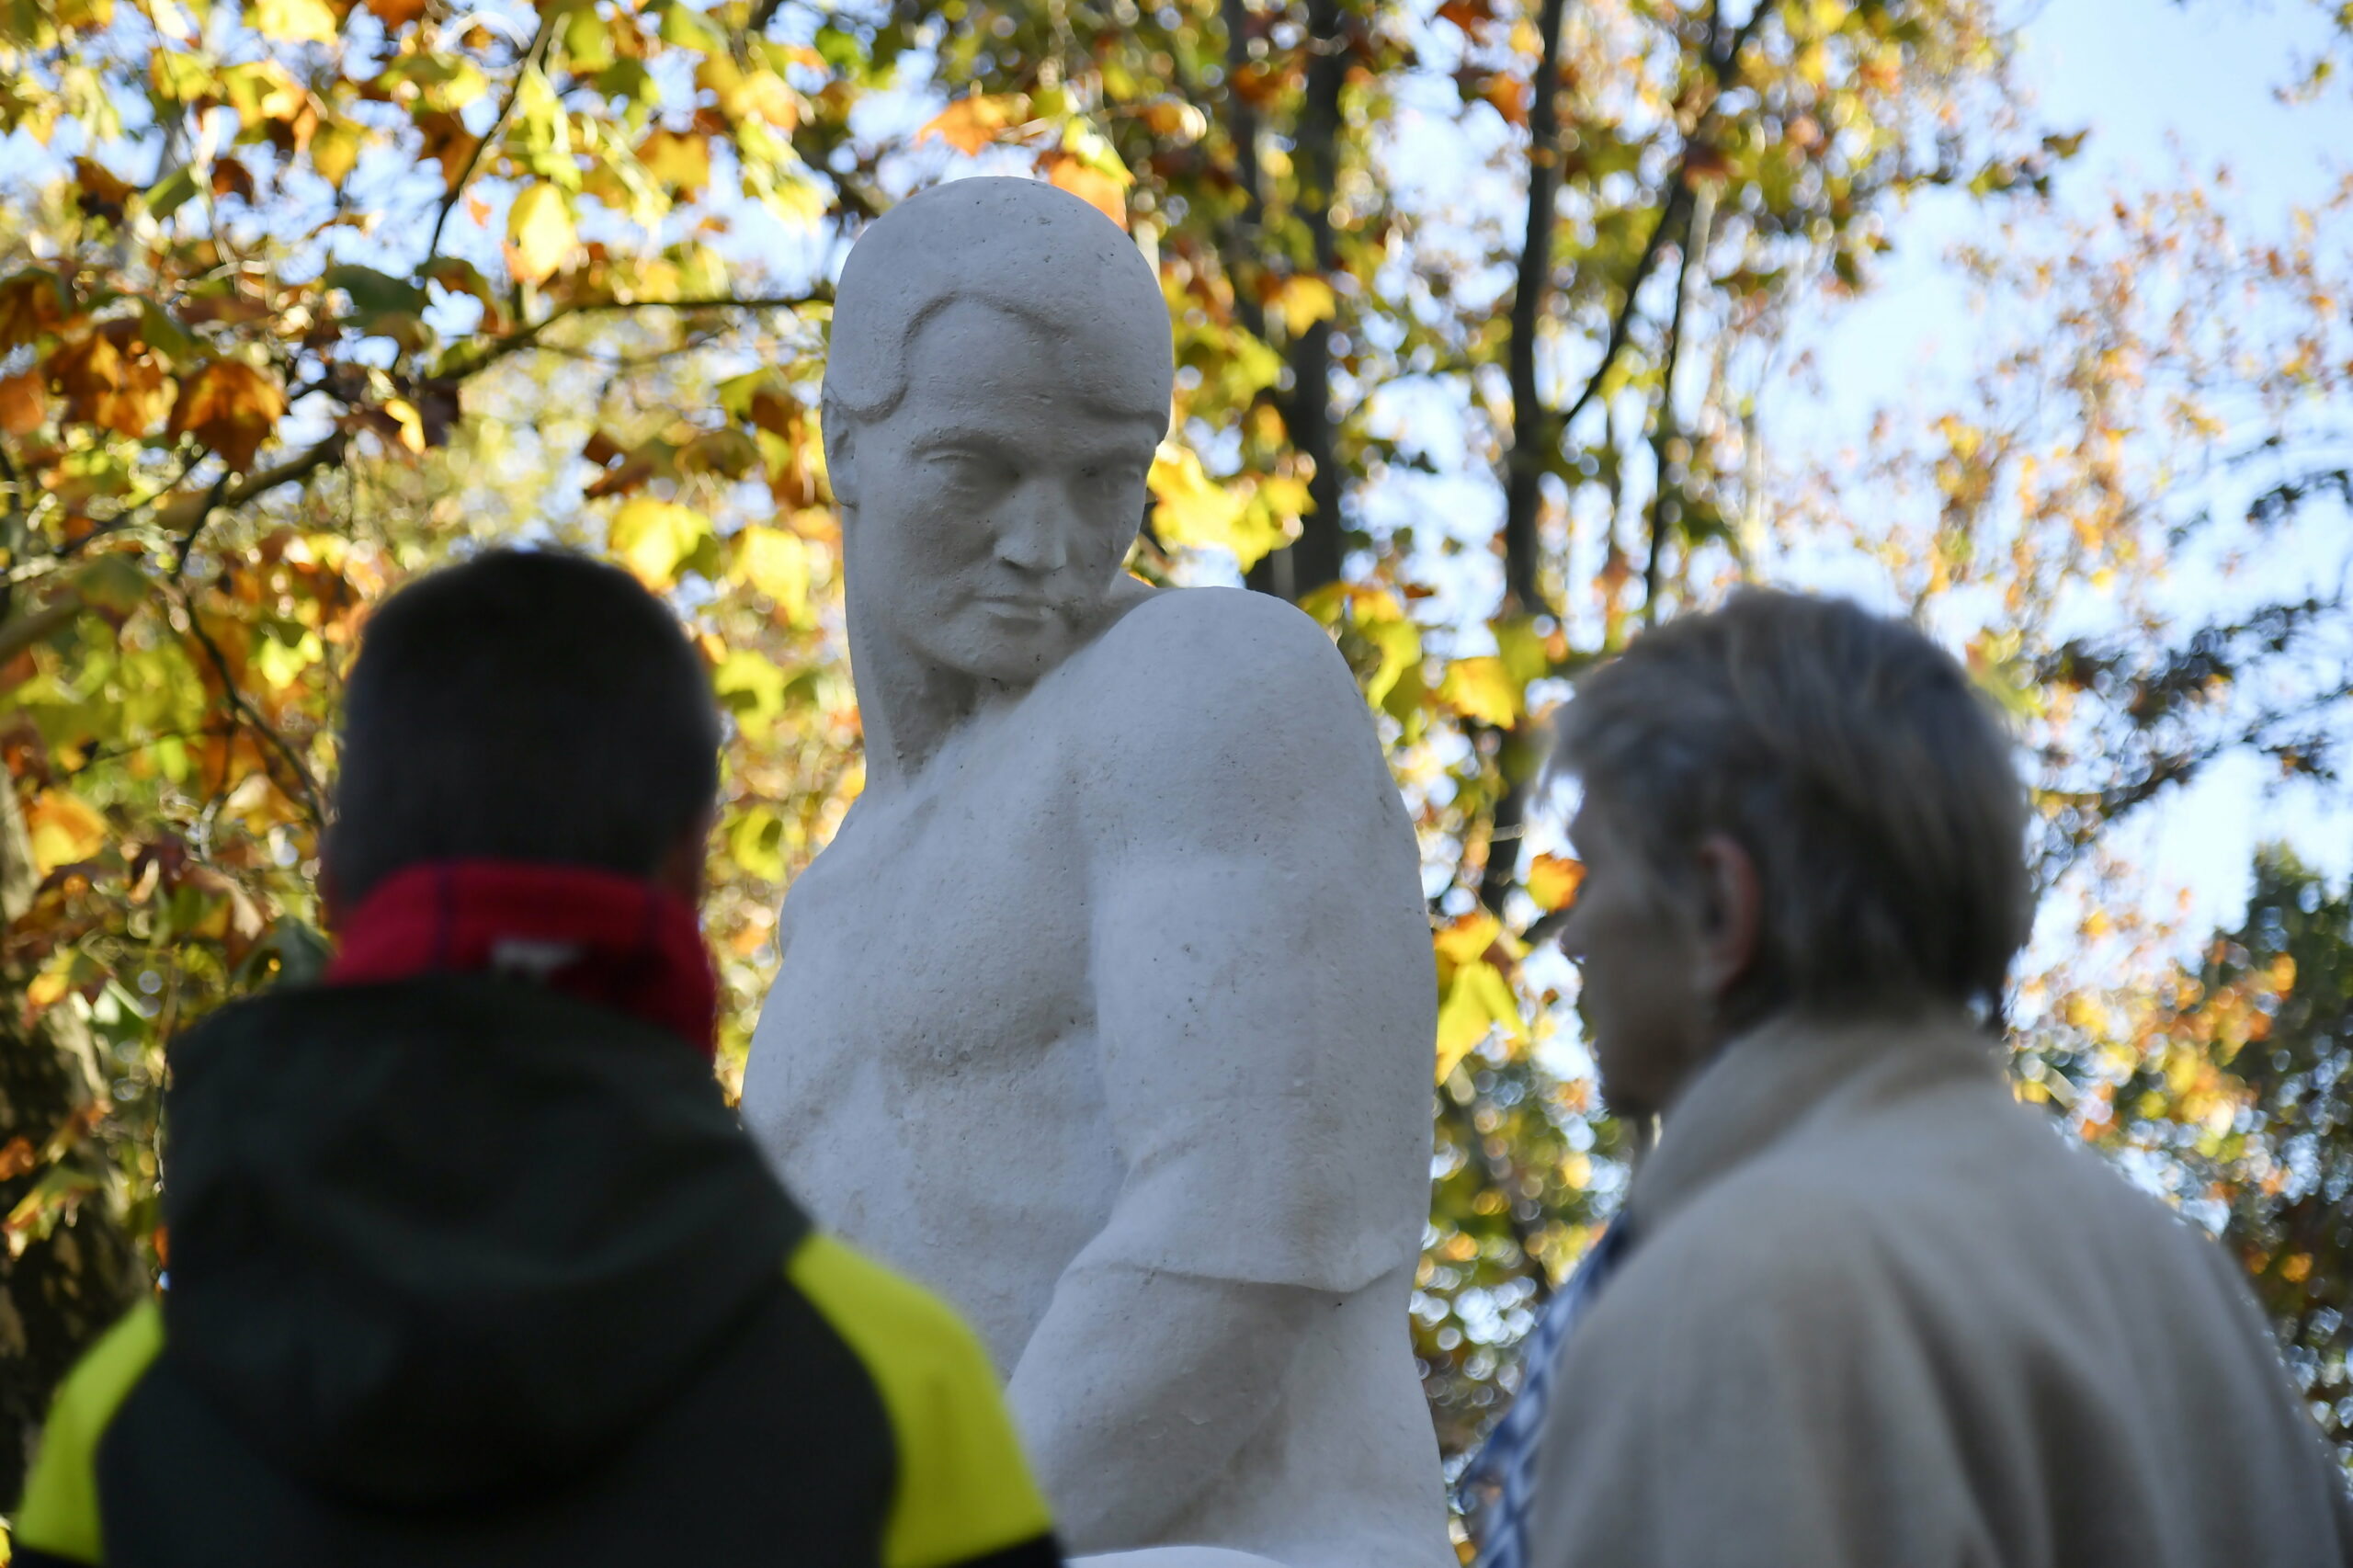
column 1027, row 606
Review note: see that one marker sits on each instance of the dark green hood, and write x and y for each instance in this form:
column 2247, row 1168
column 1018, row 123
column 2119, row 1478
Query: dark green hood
column 438, row 1240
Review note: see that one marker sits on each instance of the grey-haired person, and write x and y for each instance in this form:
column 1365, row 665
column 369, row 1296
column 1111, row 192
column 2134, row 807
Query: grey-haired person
column 1862, row 1307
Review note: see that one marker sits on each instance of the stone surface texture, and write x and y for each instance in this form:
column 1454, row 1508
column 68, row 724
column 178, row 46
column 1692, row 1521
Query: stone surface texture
column 1107, row 1012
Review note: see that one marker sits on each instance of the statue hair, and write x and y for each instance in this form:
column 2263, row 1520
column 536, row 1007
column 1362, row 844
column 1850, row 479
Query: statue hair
column 1021, row 246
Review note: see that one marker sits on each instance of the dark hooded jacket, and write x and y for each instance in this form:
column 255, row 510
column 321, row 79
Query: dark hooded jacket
column 464, row 1271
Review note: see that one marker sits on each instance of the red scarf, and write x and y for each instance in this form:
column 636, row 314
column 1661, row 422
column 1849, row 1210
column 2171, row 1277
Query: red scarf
column 605, row 939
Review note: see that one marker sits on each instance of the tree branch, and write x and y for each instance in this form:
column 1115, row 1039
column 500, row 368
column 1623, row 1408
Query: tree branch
column 242, row 707
column 531, row 61
column 1662, row 424
column 525, row 337
column 228, row 496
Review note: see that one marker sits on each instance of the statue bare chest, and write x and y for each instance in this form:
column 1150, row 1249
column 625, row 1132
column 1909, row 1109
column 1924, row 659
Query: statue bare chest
column 926, row 1074
column 942, row 933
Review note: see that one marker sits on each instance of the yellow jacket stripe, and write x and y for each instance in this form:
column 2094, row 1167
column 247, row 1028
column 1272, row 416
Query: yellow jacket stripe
column 963, row 1490
column 60, row 1515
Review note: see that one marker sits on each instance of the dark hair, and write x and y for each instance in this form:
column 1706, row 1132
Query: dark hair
column 1859, row 768
column 529, row 705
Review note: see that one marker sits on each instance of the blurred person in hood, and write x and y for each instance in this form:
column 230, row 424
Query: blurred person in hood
column 470, row 1261
column 1861, row 1309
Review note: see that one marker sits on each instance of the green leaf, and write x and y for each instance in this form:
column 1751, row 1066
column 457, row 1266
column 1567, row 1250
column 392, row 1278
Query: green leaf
column 167, row 195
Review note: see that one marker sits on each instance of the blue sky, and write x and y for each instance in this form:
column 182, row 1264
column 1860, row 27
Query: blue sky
column 2163, row 87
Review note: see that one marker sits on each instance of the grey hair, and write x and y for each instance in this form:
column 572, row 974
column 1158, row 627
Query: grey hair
column 1861, row 768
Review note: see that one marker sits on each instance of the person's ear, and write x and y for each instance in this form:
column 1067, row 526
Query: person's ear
column 682, row 864
column 841, row 457
column 1730, row 908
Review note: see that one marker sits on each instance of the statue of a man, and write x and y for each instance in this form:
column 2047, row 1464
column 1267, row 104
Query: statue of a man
column 1108, row 1013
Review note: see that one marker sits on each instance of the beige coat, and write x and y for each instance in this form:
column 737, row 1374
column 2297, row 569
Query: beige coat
column 1878, row 1313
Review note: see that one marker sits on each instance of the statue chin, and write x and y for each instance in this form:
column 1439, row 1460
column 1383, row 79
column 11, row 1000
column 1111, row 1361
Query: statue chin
column 1175, row 1557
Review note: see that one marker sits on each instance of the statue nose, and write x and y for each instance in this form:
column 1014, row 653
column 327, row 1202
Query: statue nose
column 1036, row 533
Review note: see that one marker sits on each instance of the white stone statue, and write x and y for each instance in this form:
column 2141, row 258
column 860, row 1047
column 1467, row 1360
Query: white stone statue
column 1109, row 1011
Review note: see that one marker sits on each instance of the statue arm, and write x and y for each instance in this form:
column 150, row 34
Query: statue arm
column 1263, row 994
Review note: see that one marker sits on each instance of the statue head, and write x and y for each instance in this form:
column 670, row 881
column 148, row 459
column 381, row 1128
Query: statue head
column 997, row 381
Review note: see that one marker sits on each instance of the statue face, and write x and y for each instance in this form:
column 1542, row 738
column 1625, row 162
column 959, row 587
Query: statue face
column 993, row 506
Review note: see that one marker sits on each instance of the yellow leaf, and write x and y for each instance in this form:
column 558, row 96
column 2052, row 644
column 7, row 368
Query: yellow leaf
column 296, row 21
column 776, row 563
column 335, row 149
column 749, row 94
column 751, row 687
column 1193, row 510
column 1553, row 879
column 1303, row 301
column 972, row 123
column 49, row 987
column 1466, row 939
column 63, row 829
column 540, row 232
column 1478, row 1001
column 1482, row 688
column 412, row 423
column 680, row 160
column 651, row 537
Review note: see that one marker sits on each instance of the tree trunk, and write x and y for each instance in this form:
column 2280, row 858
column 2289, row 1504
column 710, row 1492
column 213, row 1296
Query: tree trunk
column 1313, row 559
column 59, row 1290
column 1533, row 430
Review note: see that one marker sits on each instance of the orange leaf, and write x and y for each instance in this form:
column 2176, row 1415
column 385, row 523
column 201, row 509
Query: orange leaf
column 1090, row 185
column 396, row 14
column 231, row 407
column 21, row 403
column 973, row 121
column 447, row 143
column 30, row 306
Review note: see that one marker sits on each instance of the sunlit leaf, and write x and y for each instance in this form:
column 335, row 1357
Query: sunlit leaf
column 971, row 123
column 540, row 232
column 296, row 21
column 1303, row 301
column 681, row 160
column 652, row 537
column 65, row 828
column 1553, row 880
column 1482, row 688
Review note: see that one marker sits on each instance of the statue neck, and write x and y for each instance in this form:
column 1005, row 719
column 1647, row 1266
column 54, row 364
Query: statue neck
column 908, row 706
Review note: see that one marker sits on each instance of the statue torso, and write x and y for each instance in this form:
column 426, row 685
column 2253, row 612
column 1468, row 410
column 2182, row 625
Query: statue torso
column 923, row 1071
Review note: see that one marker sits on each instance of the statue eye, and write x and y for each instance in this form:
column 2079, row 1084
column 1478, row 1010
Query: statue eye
column 960, row 466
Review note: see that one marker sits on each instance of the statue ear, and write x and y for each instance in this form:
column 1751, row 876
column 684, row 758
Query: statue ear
column 841, row 461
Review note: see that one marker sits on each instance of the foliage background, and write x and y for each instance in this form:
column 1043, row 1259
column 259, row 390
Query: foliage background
column 1485, row 311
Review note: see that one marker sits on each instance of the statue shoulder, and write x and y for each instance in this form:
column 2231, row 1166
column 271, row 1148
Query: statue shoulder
column 1221, row 643
column 1200, row 682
